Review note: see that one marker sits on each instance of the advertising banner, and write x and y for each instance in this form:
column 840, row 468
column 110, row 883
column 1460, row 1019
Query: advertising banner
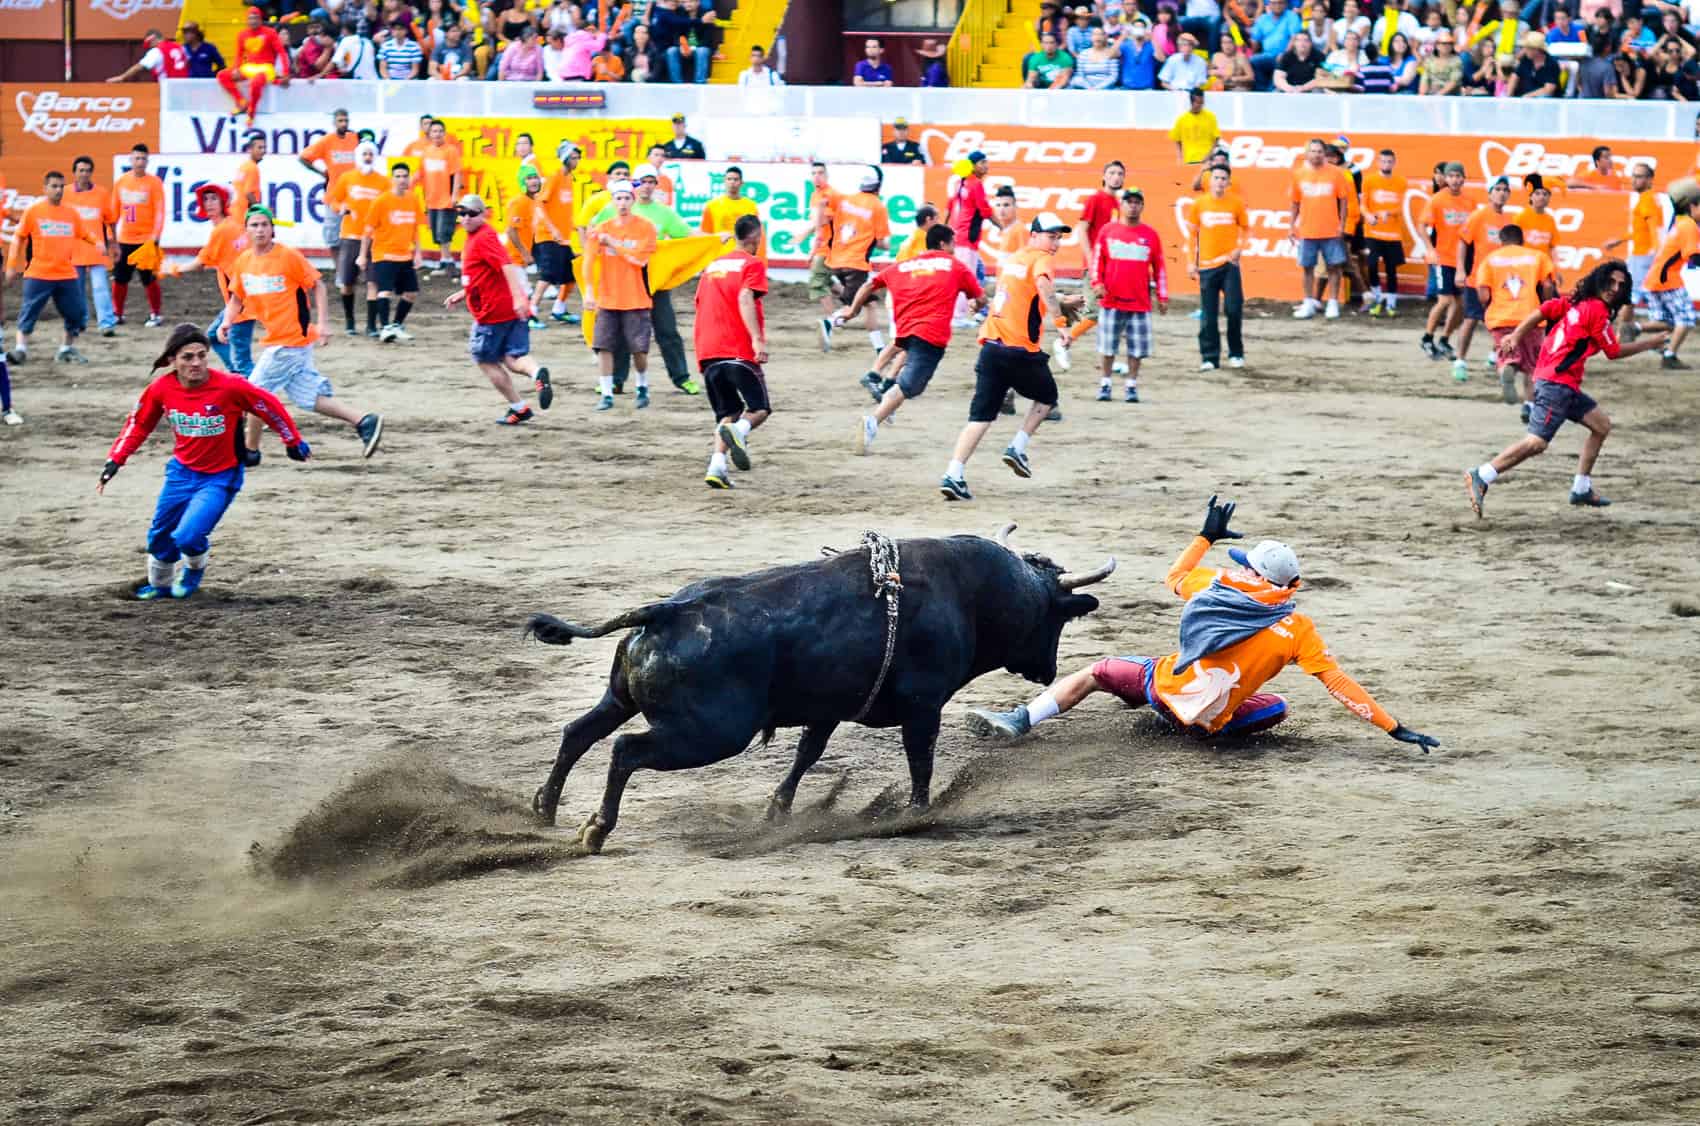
column 1058, row 170
column 45, row 126
column 125, row 19
column 33, row 19
column 287, row 134
column 295, row 195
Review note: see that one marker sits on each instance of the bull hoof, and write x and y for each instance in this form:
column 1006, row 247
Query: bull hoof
column 591, row 835
column 778, row 809
column 543, row 808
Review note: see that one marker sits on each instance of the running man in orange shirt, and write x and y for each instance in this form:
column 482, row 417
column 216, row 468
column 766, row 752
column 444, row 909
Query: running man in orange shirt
column 1220, row 226
column 390, row 254
column 275, row 285
column 616, row 253
column 440, row 180
column 1645, row 219
column 137, row 210
column 1317, row 226
column 1479, row 236
column 93, row 202
column 1011, row 354
column 248, row 191
column 45, row 247
column 1239, row 630
column 1448, row 210
column 1512, row 282
column 347, row 200
column 1668, row 303
column 861, row 225
column 1384, row 231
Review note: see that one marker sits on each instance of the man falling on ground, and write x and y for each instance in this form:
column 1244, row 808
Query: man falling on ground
column 261, row 58
column 390, row 255
column 1239, row 629
column 1127, row 268
column 494, row 291
column 731, row 345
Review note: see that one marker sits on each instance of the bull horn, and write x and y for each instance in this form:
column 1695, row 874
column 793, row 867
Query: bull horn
column 1002, row 538
column 1070, row 581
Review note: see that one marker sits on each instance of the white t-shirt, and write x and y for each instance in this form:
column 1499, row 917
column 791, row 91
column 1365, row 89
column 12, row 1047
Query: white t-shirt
column 1342, row 26
column 767, row 77
column 154, row 60
column 355, row 58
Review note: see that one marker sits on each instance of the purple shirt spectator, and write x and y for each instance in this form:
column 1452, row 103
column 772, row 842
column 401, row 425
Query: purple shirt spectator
column 871, row 73
column 873, row 70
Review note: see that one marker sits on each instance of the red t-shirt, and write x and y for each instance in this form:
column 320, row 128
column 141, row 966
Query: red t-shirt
column 923, row 294
column 969, row 210
column 207, row 420
column 485, row 261
column 1100, row 211
column 1578, row 331
column 720, row 331
column 1128, row 259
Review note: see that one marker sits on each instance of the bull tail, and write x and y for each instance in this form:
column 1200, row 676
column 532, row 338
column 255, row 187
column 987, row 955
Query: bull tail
column 551, row 630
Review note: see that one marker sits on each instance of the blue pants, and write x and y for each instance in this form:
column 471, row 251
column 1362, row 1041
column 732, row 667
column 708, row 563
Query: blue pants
column 703, row 57
column 190, row 506
column 67, row 297
column 101, row 287
column 238, row 355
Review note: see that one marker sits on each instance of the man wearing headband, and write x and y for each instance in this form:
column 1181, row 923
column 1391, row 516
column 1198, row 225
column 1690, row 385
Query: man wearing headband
column 1239, row 630
column 274, row 284
column 261, row 57
column 391, row 255
column 617, row 250
column 351, row 195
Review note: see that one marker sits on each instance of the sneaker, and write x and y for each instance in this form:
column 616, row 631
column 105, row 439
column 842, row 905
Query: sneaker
column 1460, row 371
column 865, row 434
column 371, row 334
column 1206, row 365
column 402, row 334
column 388, row 334
column 1055, row 415
column 1236, row 361
column 955, row 488
column 737, row 447
column 1589, row 499
column 564, row 318
column 188, row 582
column 690, row 387
column 871, row 381
column 351, row 329
column 825, row 335
column 109, row 331
column 18, row 355
column 1444, row 347
column 1508, row 387
column 1008, row 403
column 251, row 459
column 1104, row 392
column 1332, row 313
column 69, row 355
column 619, row 387
column 1017, row 462
column 1059, row 352
column 1430, row 350
column 1131, row 395
column 1523, row 412
column 515, row 418
column 642, row 400
column 1196, row 314
column 1307, row 310
column 147, row 592
column 1490, row 365
column 545, row 389
column 155, row 321
column 1377, row 309
column 718, row 479
column 11, row 417
column 371, row 431
column 1389, row 310
column 1119, row 367
column 1669, row 362
column 1001, row 725
column 1478, row 490
column 605, row 403
column 119, row 319
column 535, row 325
column 964, row 322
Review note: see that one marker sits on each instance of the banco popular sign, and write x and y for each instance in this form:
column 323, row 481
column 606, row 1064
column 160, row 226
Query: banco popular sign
column 45, row 127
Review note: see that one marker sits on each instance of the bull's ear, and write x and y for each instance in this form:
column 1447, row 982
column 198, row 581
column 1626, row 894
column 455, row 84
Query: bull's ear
column 1078, row 605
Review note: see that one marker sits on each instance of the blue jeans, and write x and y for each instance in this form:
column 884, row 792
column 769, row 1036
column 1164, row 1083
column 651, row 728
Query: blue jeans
column 189, row 508
column 676, row 64
column 67, row 297
column 101, row 287
column 238, row 355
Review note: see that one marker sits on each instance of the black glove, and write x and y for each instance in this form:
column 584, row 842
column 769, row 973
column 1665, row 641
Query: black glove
column 300, row 451
column 1216, row 519
column 1417, row 738
column 109, row 472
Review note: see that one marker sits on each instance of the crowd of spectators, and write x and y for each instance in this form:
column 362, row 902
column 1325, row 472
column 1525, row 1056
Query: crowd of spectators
column 1646, row 49
column 503, row 40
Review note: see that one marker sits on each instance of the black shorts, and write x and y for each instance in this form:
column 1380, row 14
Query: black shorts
column 554, row 262
column 442, row 221
column 347, row 261
column 1445, row 280
column 851, row 282
column 734, row 387
column 1556, row 404
column 1472, row 300
column 921, row 360
column 1001, row 369
column 395, row 277
column 1386, row 250
column 122, row 271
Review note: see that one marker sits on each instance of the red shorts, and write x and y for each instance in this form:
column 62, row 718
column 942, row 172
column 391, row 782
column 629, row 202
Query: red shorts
column 1528, row 352
column 1129, row 680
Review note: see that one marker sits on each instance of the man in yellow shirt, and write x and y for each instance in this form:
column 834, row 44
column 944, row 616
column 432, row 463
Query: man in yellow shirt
column 1194, row 132
column 721, row 213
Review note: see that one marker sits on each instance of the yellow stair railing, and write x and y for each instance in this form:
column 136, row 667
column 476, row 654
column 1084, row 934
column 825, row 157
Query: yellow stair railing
column 752, row 23
column 998, row 51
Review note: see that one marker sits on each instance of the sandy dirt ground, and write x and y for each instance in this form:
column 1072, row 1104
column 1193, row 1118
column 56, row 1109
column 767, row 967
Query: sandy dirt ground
column 1103, row 923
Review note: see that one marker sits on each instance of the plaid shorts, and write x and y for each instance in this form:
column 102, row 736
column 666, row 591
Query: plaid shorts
column 1671, row 306
column 1117, row 324
column 290, row 373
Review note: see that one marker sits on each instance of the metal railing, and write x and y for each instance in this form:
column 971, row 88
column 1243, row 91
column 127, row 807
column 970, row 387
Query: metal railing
column 973, row 34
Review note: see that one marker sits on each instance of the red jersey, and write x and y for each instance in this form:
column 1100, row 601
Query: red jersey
column 261, row 46
column 173, row 60
column 484, row 262
column 1578, row 331
column 969, row 210
column 206, row 420
column 1100, row 211
column 1127, row 262
column 923, row 294
column 720, row 330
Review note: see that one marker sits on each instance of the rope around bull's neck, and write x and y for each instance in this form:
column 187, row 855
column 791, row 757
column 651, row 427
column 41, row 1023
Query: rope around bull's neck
column 888, row 584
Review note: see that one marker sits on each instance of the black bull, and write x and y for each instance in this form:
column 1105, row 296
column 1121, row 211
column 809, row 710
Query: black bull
column 801, row 646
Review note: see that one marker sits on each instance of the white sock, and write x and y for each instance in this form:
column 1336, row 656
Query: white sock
column 1132, row 382
column 1103, row 381
column 560, row 305
column 196, row 562
column 1043, row 707
column 717, row 463
column 519, row 406
column 160, row 572
column 1668, row 352
column 877, row 339
column 1375, row 295
column 1392, row 300
column 606, row 384
column 1488, row 473
column 1582, row 484
column 1019, row 442
column 643, row 379
column 955, row 470
column 742, row 426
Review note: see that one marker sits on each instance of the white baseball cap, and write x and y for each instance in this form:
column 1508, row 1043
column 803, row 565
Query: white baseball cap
column 1272, row 559
column 619, row 186
column 1048, row 223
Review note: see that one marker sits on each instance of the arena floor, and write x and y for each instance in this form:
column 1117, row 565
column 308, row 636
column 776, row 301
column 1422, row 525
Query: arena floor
column 1102, row 923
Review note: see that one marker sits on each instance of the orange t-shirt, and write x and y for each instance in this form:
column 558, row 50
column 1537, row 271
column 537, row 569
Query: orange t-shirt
column 1539, row 231
column 1604, row 181
column 53, row 233
column 137, row 207
column 1018, row 312
column 438, row 166
column 1319, row 192
column 392, row 223
column 337, row 153
column 915, row 244
column 1681, row 241
column 557, row 198
column 858, row 220
column 1644, row 219
column 247, row 186
column 620, row 284
column 92, row 205
column 1481, row 231
column 997, row 245
column 522, row 228
column 1220, row 225
column 664, row 188
column 1384, row 206
column 274, row 288
column 1447, row 214
column 356, row 190
column 225, row 243
column 825, row 205
column 1514, row 275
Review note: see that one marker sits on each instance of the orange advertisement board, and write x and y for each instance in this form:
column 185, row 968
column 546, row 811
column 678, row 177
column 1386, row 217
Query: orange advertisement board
column 33, row 19
column 45, row 126
column 1059, row 169
column 125, row 19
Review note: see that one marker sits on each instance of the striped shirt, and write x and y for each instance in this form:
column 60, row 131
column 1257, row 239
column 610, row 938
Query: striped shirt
column 400, row 56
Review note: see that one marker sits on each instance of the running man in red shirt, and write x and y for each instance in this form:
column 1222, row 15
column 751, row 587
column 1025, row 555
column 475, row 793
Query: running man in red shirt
column 261, row 57
column 731, row 344
column 1127, row 266
column 969, row 213
column 923, row 289
column 494, row 290
column 205, row 408
column 1581, row 326
column 1102, row 208
column 1238, row 631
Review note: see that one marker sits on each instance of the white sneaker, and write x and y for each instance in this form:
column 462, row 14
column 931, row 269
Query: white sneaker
column 1305, row 312
column 868, row 431
column 1206, row 366
column 963, row 322
column 1333, row 312
column 387, row 334
column 1059, row 352
column 1236, row 361
column 401, row 333
column 12, row 418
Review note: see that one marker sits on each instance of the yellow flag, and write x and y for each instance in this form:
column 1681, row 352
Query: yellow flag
column 146, row 257
column 675, row 262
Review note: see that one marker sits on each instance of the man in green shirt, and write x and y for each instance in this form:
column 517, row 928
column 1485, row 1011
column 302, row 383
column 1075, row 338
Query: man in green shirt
column 662, row 317
column 1048, row 68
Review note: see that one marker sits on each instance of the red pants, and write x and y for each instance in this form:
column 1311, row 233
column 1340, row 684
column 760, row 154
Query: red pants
column 1129, row 680
column 255, row 80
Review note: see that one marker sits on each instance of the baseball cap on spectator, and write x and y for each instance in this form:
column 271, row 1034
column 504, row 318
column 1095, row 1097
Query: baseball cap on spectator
column 1272, row 559
column 1501, row 182
column 1452, row 166
column 620, row 187
column 223, row 194
column 1047, row 222
column 366, row 135
column 565, row 149
column 471, row 203
column 319, row 14
column 870, row 181
column 976, row 157
column 900, row 123
column 649, row 174
column 1134, row 193
column 678, row 119
column 618, row 166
